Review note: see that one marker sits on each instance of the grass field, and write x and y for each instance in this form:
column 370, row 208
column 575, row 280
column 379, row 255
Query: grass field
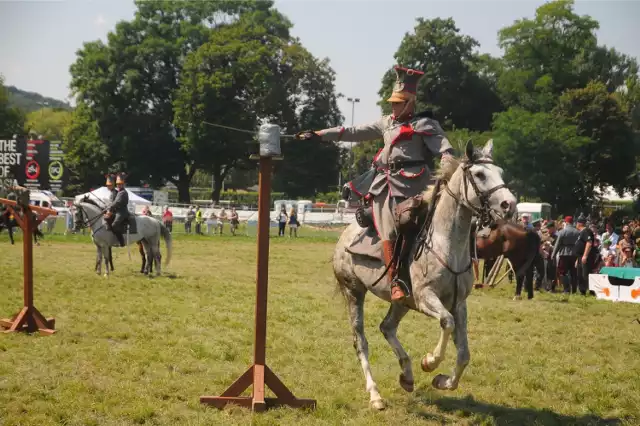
column 134, row 350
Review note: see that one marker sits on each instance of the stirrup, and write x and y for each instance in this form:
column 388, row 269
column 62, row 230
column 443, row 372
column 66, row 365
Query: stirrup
column 398, row 282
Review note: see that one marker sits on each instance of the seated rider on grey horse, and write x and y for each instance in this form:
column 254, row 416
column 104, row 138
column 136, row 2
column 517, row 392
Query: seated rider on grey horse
column 120, row 208
column 401, row 167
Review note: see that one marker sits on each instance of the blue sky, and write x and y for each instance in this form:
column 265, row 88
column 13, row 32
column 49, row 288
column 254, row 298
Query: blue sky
column 39, row 38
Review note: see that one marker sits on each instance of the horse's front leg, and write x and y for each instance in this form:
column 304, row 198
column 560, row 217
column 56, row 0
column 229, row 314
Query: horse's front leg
column 107, row 257
column 98, row 261
column 442, row 381
column 429, row 303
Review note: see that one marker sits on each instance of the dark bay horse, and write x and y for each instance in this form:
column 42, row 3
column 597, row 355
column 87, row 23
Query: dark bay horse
column 511, row 240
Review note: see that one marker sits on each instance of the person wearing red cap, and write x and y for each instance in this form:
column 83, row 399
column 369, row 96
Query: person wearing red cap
column 564, row 249
column 401, row 169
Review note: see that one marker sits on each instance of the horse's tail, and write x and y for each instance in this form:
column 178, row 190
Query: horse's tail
column 167, row 240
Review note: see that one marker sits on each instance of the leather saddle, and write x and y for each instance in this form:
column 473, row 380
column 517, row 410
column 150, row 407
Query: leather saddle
column 130, row 224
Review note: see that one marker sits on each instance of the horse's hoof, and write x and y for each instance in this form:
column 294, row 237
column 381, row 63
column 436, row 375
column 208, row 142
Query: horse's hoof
column 425, row 364
column 442, row 382
column 407, row 385
column 378, row 404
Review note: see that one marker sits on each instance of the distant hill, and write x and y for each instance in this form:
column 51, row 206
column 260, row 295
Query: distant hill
column 31, row 101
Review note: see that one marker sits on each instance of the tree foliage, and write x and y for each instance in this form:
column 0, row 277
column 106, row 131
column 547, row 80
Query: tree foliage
column 11, row 118
column 48, row 123
column 456, row 79
column 176, row 65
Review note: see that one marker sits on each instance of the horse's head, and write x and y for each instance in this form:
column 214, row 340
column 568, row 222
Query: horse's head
column 483, row 190
column 78, row 216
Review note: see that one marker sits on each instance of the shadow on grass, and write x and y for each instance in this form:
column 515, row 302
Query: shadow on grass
column 503, row 415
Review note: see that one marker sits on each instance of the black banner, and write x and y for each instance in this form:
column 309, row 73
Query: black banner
column 35, row 164
column 12, row 160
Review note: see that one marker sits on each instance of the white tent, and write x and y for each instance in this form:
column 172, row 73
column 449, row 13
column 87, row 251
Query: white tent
column 104, row 195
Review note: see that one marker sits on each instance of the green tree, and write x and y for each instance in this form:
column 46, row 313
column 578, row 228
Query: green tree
column 253, row 71
column 553, row 52
column 11, row 118
column 47, row 122
column 539, row 154
column 610, row 155
column 457, row 85
column 130, row 84
column 85, row 155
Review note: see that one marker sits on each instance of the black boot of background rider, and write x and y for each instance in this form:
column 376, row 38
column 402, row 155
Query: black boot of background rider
column 120, row 238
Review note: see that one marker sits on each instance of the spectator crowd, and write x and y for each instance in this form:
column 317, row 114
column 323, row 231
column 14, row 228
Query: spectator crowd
column 571, row 249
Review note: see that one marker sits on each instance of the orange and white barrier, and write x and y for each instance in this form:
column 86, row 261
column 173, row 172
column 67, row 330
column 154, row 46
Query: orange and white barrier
column 607, row 289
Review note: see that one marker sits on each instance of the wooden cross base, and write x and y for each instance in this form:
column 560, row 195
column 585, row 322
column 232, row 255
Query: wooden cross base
column 29, row 320
column 258, row 375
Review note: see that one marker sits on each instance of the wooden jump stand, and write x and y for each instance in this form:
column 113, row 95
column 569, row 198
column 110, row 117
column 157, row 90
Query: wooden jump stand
column 259, row 374
column 29, row 319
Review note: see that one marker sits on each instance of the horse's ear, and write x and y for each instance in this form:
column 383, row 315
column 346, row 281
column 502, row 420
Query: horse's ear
column 487, row 151
column 469, row 150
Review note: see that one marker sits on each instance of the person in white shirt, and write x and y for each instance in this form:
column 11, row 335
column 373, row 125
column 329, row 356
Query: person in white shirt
column 610, row 235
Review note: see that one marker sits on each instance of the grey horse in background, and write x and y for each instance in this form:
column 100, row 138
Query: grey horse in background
column 149, row 232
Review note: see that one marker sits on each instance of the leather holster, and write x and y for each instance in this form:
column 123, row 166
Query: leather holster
column 407, row 214
column 364, row 216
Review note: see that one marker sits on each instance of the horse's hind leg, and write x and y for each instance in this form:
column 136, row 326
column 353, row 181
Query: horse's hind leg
column 429, row 303
column 355, row 300
column 157, row 259
column 149, row 256
column 142, row 255
column 389, row 328
column 442, row 381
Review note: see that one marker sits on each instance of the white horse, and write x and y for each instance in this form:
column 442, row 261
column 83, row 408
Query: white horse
column 439, row 266
column 149, row 232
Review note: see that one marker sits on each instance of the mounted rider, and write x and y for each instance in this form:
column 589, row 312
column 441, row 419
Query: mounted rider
column 119, row 207
column 401, row 167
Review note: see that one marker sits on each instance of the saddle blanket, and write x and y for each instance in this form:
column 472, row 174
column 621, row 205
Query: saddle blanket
column 130, row 224
column 368, row 244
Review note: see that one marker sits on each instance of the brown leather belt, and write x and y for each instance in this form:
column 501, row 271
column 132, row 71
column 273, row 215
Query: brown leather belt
column 397, row 166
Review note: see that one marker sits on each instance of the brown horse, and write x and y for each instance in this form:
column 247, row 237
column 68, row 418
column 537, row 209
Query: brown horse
column 511, row 240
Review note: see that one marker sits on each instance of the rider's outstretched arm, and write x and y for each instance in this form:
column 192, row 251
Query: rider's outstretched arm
column 361, row 133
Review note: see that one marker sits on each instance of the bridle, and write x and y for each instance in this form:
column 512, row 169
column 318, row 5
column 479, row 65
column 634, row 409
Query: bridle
column 485, row 214
column 87, row 222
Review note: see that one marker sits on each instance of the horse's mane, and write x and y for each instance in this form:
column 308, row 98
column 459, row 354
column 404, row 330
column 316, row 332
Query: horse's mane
column 446, row 169
column 88, row 200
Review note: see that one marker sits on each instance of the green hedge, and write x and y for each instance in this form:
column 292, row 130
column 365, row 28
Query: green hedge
column 233, row 196
column 250, row 197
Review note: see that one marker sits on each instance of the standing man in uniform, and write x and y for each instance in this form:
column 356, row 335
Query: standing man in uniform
column 402, row 170
column 584, row 256
column 564, row 248
column 120, row 207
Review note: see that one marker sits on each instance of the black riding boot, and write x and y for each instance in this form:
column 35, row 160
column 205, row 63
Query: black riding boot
column 120, row 238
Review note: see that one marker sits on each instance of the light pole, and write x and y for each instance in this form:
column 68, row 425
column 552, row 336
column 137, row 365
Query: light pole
column 353, row 101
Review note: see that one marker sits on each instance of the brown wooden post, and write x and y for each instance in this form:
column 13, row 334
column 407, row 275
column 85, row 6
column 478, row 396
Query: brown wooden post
column 29, row 319
column 259, row 374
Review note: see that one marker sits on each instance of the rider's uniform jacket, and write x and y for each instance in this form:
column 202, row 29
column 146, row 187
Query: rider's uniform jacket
column 409, row 146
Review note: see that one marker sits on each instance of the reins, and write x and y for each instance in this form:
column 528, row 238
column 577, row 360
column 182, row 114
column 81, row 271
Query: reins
column 483, row 212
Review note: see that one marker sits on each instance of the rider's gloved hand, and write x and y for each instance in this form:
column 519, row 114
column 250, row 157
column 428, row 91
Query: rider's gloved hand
column 308, row 135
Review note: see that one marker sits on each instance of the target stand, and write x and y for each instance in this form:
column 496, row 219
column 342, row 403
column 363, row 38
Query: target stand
column 29, row 319
column 259, row 374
